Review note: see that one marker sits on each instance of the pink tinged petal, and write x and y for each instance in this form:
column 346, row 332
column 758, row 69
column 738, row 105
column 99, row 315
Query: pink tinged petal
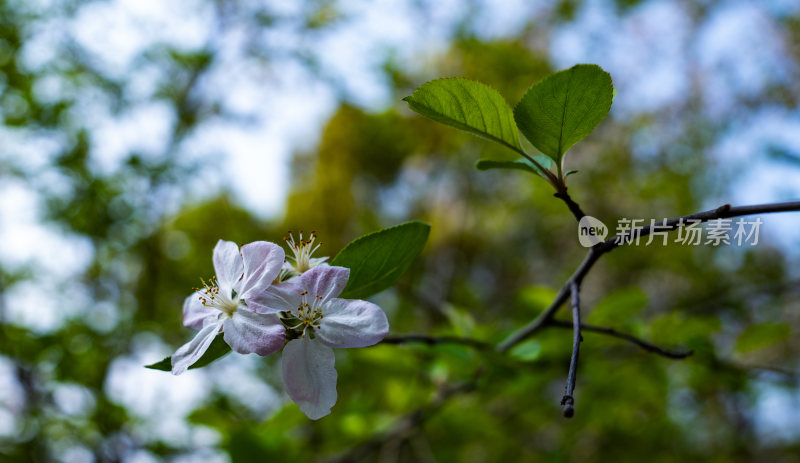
column 276, row 298
column 249, row 332
column 352, row 323
column 227, row 265
column 309, row 376
column 262, row 264
column 191, row 352
column 195, row 313
column 324, row 280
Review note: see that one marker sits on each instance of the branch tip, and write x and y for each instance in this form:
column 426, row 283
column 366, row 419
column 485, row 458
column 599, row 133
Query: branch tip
column 568, row 401
column 568, row 406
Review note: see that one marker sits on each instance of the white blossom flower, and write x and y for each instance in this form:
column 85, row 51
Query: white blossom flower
column 226, row 304
column 303, row 250
column 319, row 321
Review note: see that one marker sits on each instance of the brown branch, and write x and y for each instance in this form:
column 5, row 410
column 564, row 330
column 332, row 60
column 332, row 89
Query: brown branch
column 539, row 322
column 572, row 205
column 568, row 401
column 415, row 419
column 725, row 211
column 644, row 345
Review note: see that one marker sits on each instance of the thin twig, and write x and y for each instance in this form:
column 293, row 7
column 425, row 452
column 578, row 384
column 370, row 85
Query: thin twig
column 433, row 340
column 648, row 346
column 568, row 401
column 572, row 205
column 558, row 184
column 539, row 322
column 725, row 211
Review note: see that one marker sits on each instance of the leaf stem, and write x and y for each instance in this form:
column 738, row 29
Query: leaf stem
column 557, row 181
column 551, row 177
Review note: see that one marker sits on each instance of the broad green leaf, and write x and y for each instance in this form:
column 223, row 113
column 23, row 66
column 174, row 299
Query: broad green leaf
column 527, row 351
column 377, row 260
column 519, row 164
column 756, row 337
column 216, row 350
column 693, row 331
column 467, row 105
column 563, row 108
column 619, row 307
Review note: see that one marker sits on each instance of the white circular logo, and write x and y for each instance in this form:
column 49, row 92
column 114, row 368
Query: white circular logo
column 591, row 231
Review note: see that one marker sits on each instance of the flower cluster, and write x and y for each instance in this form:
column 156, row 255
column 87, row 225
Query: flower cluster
column 261, row 303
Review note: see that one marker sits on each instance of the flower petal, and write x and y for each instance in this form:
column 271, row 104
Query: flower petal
column 276, row 298
column 195, row 313
column 324, row 280
column 309, row 376
column 262, row 264
column 249, row 332
column 227, row 265
column 191, row 352
column 352, row 323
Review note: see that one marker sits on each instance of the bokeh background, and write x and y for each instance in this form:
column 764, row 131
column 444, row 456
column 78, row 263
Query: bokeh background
column 135, row 133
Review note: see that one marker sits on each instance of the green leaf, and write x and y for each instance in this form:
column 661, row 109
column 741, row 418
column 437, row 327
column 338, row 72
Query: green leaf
column 619, row 307
column 467, row 105
column 377, row 260
column 519, row 164
column 756, row 337
column 563, row 108
column 218, row 349
column 527, row 351
column 692, row 331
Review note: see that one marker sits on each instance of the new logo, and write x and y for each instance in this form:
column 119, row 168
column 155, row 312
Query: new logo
column 591, row 231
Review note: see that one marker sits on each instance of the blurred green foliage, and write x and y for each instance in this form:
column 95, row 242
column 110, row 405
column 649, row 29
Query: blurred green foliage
column 499, row 247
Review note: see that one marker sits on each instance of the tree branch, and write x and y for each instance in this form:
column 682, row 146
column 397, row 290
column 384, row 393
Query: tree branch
column 539, row 322
column 725, row 211
column 568, row 401
column 572, row 205
column 644, row 345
